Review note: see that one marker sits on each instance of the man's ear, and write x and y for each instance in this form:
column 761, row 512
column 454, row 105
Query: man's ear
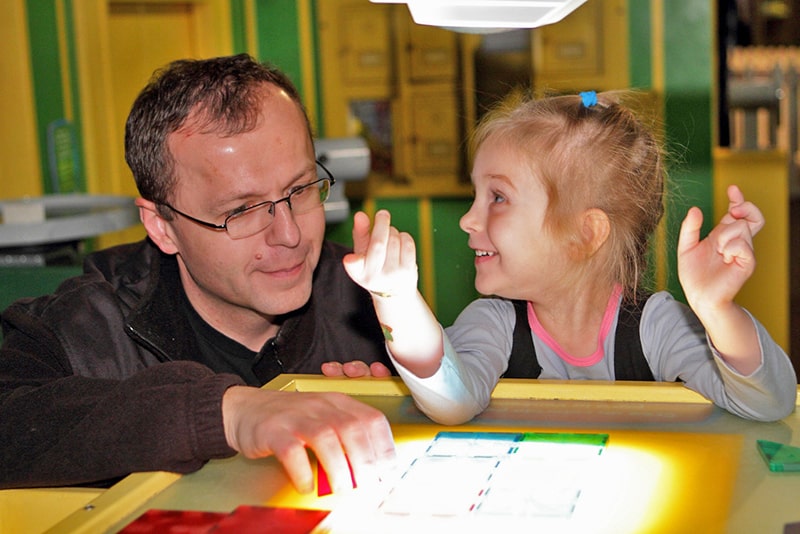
column 595, row 230
column 158, row 229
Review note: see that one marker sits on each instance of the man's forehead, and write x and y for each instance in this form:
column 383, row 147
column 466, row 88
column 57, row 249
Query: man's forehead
column 262, row 105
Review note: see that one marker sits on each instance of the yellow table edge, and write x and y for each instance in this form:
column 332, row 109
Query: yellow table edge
column 123, row 498
column 116, row 502
column 507, row 388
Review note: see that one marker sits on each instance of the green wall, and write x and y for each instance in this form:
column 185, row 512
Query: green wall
column 32, row 281
column 639, row 32
column 278, row 41
column 454, row 261
column 688, row 77
column 47, row 82
column 688, row 106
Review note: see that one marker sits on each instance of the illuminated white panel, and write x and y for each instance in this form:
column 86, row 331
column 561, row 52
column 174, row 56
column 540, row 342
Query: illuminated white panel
column 487, row 14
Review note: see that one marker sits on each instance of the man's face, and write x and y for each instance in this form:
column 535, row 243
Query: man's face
column 239, row 283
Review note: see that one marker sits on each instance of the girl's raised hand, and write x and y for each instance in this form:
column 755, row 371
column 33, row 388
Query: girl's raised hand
column 713, row 270
column 384, row 260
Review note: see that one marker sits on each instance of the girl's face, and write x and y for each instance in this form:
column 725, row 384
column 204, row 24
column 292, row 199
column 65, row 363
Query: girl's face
column 515, row 257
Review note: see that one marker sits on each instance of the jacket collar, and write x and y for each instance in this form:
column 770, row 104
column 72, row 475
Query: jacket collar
column 158, row 321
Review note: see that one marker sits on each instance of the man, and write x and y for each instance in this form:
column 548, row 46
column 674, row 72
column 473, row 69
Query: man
column 151, row 359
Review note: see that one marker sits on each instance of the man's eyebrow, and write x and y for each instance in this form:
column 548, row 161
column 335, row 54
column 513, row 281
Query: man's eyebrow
column 247, row 196
column 311, row 170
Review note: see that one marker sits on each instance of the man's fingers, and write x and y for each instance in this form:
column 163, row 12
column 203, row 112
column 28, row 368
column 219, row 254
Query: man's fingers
column 355, row 369
column 360, row 432
column 328, row 449
column 332, row 369
column 377, row 369
column 370, row 448
column 293, row 456
column 261, row 423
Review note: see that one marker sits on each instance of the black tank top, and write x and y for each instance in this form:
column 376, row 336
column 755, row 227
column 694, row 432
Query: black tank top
column 629, row 360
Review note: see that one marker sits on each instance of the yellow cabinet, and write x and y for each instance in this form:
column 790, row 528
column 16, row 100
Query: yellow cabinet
column 397, row 84
column 365, row 45
column 434, row 132
column 432, row 53
column 586, row 50
column 410, row 89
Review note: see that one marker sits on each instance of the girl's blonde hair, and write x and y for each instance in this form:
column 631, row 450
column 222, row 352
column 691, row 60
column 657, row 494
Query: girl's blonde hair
column 589, row 156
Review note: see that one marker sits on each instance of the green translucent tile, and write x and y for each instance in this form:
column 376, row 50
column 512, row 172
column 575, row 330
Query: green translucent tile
column 779, row 457
column 598, row 440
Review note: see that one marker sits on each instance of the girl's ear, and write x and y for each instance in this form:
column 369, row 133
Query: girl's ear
column 158, row 229
column 595, row 230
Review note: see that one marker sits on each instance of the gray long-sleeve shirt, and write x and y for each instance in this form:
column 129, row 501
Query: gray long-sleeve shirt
column 674, row 342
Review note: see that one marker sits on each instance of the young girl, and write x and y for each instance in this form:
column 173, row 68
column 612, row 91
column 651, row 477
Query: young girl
column 568, row 191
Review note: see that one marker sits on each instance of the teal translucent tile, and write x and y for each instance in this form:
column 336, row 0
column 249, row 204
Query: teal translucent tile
column 779, row 457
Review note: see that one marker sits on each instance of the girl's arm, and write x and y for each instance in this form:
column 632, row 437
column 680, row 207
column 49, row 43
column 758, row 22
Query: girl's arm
column 713, row 270
column 384, row 262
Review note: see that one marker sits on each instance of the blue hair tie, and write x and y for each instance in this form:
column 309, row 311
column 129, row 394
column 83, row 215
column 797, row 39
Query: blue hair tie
column 589, row 98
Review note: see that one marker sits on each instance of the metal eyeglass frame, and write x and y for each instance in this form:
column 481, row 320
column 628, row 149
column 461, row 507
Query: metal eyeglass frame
column 273, row 203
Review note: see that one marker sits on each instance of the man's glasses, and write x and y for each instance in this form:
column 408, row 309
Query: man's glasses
column 259, row 216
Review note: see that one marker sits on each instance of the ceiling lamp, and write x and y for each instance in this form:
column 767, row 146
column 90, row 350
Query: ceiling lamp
column 478, row 15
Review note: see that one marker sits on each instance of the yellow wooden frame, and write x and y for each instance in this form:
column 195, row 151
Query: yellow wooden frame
column 507, row 388
column 212, row 18
column 20, row 170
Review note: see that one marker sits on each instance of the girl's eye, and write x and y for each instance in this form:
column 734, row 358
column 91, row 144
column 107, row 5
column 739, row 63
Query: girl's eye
column 497, row 198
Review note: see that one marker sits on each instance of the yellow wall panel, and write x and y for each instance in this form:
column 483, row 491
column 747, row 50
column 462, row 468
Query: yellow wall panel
column 146, row 37
column 20, row 172
column 120, row 44
column 763, row 177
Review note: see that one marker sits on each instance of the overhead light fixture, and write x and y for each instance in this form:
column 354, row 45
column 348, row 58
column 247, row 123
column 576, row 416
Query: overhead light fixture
column 487, row 15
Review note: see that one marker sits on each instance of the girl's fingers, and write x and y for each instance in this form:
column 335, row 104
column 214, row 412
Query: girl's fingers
column 690, row 230
column 360, row 232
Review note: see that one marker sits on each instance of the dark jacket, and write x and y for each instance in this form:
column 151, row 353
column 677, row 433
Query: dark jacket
column 98, row 380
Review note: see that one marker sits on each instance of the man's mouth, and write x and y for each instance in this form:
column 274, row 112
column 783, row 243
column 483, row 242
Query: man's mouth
column 285, row 272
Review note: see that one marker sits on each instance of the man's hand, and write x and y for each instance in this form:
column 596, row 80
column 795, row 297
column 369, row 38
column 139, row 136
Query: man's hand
column 261, row 423
column 355, row 369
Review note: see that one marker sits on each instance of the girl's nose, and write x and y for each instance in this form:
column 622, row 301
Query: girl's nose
column 469, row 221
